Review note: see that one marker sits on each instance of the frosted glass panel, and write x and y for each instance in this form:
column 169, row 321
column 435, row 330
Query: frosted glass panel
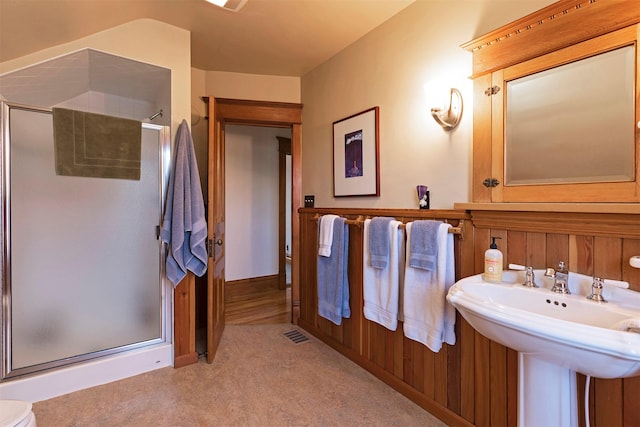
column 574, row 123
column 85, row 262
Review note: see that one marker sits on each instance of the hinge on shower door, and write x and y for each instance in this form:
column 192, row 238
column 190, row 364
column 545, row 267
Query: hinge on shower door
column 210, row 248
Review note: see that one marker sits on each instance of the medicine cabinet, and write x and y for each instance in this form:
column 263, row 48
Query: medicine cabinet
column 557, row 106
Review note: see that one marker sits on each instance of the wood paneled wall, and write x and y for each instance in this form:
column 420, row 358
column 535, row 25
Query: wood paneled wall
column 475, row 381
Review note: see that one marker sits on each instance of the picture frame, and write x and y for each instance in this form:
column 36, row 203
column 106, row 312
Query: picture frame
column 356, row 160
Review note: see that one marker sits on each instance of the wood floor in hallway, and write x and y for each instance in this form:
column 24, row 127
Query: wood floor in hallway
column 258, row 307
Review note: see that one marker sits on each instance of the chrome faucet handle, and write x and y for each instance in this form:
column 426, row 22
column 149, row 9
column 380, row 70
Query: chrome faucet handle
column 529, row 276
column 596, row 290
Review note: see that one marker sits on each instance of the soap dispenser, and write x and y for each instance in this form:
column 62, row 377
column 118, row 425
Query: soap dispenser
column 493, row 263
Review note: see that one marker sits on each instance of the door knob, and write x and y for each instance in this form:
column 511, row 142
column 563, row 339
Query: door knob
column 219, row 242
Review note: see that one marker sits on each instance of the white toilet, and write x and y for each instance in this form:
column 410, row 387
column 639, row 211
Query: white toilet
column 16, row 413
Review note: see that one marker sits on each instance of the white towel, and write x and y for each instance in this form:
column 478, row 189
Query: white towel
column 184, row 227
column 382, row 286
column 325, row 235
column 428, row 317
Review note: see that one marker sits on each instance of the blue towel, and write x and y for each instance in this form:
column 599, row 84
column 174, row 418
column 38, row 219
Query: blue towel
column 424, row 244
column 379, row 242
column 184, row 227
column 333, row 283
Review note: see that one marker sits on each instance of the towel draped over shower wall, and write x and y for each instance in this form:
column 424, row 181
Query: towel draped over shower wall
column 95, row 145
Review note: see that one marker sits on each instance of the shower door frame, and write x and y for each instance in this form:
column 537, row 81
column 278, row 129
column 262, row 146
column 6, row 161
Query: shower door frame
column 6, row 372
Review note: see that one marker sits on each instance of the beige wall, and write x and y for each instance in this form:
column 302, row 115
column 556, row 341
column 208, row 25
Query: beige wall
column 223, row 84
column 389, row 68
column 143, row 40
column 200, row 125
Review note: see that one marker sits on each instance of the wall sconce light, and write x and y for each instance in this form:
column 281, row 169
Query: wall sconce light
column 449, row 113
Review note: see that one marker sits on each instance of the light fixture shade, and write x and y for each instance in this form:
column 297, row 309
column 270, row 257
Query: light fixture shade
column 449, row 116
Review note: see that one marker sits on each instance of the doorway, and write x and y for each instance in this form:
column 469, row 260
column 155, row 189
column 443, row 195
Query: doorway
column 255, row 225
column 223, row 112
column 258, row 229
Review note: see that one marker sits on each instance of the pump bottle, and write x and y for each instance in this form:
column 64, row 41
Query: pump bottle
column 493, row 263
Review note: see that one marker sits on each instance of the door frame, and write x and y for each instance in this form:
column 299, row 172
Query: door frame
column 265, row 114
column 284, row 149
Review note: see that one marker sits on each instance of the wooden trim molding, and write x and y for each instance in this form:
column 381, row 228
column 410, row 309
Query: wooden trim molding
column 259, row 113
column 611, row 225
column 602, row 208
column 352, row 213
column 560, row 25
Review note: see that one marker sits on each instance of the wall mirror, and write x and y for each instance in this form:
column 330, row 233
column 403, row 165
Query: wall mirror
column 573, row 123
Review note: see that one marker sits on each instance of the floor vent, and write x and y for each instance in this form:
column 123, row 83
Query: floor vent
column 296, row 336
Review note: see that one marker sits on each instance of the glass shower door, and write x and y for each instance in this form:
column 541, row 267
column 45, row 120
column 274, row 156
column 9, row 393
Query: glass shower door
column 82, row 259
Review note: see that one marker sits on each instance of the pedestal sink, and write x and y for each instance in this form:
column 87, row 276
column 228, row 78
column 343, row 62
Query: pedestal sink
column 556, row 335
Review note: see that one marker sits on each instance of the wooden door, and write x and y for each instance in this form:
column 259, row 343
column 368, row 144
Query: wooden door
column 216, row 222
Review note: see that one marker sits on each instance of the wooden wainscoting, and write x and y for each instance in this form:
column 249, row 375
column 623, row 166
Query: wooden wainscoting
column 475, row 382
column 439, row 382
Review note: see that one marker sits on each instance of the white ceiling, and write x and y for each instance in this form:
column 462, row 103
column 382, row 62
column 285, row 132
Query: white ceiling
column 272, row 37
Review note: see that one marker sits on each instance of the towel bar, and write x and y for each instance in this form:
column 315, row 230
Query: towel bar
column 452, row 230
column 459, row 230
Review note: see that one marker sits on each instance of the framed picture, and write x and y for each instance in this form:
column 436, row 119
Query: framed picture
column 356, row 167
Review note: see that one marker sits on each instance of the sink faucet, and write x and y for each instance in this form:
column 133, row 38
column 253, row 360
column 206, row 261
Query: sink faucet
column 596, row 290
column 529, row 278
column 560, row 278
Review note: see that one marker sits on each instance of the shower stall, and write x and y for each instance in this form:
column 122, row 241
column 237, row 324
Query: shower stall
column 82, row 271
